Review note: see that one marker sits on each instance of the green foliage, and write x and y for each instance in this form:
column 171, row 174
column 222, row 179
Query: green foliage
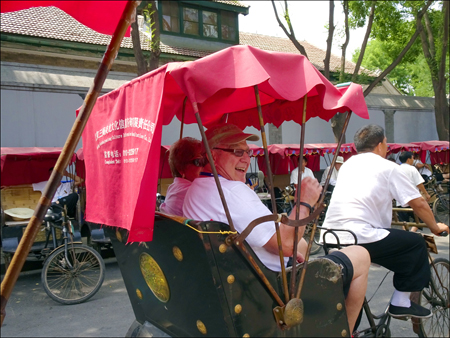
column 149, row 26
column 393, row 26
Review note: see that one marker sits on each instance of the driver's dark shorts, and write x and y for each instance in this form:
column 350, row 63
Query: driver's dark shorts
column 346, row 268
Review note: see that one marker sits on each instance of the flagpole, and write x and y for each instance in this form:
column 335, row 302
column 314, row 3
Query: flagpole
column 33, row 226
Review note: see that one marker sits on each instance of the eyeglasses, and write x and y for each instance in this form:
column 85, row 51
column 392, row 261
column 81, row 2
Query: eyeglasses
column 238, row 152
column 199, row 162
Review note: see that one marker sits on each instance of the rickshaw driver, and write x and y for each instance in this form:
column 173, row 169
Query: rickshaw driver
column 231, row 156
column 362, row 203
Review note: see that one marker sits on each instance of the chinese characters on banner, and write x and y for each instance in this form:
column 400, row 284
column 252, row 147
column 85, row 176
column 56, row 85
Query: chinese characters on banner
column 122, row 142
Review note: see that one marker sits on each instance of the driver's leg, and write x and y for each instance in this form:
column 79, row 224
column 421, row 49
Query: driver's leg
column 360, row 259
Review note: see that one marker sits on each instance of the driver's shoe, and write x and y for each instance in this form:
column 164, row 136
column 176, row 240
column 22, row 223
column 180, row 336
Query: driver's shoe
column 414, row 310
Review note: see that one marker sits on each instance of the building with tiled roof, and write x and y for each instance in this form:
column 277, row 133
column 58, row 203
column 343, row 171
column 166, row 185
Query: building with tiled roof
column 45, row 52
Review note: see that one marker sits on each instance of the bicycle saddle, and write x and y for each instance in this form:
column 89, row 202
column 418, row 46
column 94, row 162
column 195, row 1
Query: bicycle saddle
column 54, row 214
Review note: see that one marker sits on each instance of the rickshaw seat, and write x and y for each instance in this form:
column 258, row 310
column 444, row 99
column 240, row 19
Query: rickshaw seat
column 197, row 285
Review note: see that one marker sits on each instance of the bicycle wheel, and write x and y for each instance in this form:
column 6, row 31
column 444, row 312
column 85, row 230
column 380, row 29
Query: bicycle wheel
column 73, row 285
column 436, row 299
column 441, row 209
column 315, row 248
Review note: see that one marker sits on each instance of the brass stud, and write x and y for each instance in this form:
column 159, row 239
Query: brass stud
column 238, row 308
column 177, row 253
column 230, row 279
column 201, row 327
column 222, row 248
column 139, row 294
column 339, row 306
column 246, row 335
column 344, row 333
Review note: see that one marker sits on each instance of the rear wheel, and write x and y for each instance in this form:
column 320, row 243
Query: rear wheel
column 436, row 299
column 74, row 285
column 441, row 209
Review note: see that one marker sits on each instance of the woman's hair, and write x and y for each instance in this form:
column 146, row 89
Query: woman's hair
column 368, row 137
column 183, row 152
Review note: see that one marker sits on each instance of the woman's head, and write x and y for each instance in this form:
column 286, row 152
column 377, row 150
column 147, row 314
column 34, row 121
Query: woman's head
column 186, row 158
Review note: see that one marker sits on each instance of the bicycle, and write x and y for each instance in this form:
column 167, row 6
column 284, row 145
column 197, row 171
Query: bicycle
column 436, row 297
column 72, row 272
column 439, row 201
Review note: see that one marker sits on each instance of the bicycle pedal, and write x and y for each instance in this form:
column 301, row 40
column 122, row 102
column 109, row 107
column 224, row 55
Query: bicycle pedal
column 404, row 318
column 45, row 251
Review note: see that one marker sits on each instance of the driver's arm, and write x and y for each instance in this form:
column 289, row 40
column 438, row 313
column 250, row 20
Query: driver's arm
column 423, row 211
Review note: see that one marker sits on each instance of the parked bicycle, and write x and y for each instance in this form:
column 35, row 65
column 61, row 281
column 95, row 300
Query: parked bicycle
column 72, row 272
column 439, row 199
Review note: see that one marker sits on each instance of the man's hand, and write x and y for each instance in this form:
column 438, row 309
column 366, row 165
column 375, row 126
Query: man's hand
column 311, row 190
column 442, row 227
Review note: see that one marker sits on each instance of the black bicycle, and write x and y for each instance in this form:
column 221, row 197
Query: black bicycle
column 436, row 297
column 72, row 272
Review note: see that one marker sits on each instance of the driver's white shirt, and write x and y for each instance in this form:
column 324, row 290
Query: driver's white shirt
column 362, row 198
column 202, row 203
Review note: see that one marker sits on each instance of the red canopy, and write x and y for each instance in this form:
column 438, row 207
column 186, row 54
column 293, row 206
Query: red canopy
column 101, row 16
column 130, row 118
column 27, row 165
column 439, row 151
column 283, row 80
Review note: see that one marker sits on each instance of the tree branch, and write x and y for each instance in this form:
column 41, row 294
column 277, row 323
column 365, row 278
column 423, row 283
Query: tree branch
column 297, row 44
column 419, row 28
column 366, row 39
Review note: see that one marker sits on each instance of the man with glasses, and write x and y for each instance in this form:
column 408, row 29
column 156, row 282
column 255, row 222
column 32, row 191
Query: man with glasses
column 231, row 156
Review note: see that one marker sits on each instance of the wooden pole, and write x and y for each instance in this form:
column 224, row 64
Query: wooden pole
column 272, row 192
column 63, row 161
column 297, row 193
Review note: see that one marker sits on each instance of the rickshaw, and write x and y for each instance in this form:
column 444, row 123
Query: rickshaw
column 187, row 277
column 190, row 278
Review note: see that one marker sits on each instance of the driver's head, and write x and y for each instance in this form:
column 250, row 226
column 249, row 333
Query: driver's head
column 230, row 151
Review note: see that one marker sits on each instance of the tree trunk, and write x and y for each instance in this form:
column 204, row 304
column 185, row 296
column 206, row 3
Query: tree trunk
column 344, row 46
column 329, row 41
column 138, row 55
column 364, row 44
column 437, row 71
column 155, row 43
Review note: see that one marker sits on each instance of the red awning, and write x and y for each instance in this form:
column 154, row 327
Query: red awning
column 101, row 16
column 27, row 165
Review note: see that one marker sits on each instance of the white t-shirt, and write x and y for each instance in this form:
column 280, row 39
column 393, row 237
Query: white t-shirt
column 63, row 190
column 362, row 198
column 294, row 175
column 424, row 170
column 202, row 202
column 413, row 175
column 333, row 178
column 173, row 204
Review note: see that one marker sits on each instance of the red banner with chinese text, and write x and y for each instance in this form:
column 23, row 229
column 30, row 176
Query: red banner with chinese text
column 121, row 144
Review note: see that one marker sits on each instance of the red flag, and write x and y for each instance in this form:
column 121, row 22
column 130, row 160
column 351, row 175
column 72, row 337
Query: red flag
column 121, row 146
column 101, row 16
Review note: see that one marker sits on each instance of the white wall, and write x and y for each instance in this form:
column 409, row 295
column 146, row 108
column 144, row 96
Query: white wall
column 37, row 119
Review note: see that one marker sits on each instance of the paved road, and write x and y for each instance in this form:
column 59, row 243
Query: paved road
column 31, row 313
